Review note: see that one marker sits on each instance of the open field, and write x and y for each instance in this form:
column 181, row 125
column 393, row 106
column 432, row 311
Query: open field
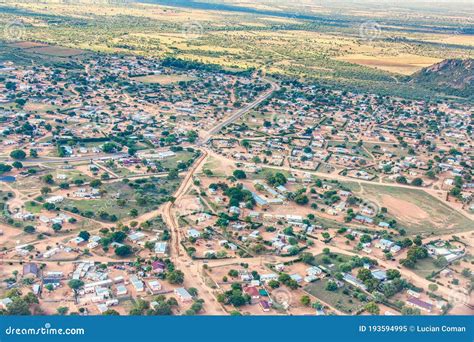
column 404, row 64
column 56, row 51
column 163, row 79
column 415, row 210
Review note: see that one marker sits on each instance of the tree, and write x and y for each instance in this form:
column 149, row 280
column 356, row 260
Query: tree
column 118, row 236
column 45, row 190
column 62, row 310
column 110, row 312
column 364, row 274
column 29, row 229
column 173, row 174
column 331, row 286
column 17, row 165
column 18, row 307
column 175, row 277
column 276, row 179
column 193, row 292
column 401, row 180
column 56, row 227
column 18, row 154
column 85, row 235
column 307, row 258
column 64, row 185
column 123, row 251
column 4, row 168
column 95, row 183
column 408, row 311
column 48, row 179
column 75, row 285
column 274, row 284
column 440, row 262
column 233, row 273
column 301, row 199
column 31, row 298
column 305, row 300
column 150, row 245
column 417, row 182
column 237, row 299
column 433, row 287
column 239, row 174
column 110, row 147
column 392, row 274
column 372, row 308
column 466, row 272
column 417, row 240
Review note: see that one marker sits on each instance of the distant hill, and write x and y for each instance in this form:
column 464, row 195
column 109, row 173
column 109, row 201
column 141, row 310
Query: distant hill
column 451, row 76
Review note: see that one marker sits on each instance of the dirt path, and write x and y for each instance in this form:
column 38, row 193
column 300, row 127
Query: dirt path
column 193, row 276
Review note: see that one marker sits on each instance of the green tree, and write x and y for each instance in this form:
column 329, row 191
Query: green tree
column 85, row 235
column 75, row 285
column 62, row 310
column 18, row 307
column 331, row 286
column 305, row 300
column 18, row 154
column 110, row 312
column 123, row 251
column 17, row 165
column 175, row 277
column 372, row 308
column 239, row 174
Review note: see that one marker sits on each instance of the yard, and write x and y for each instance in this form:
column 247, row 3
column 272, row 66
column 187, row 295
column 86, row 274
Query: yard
column 119, row 198
column 337, row 299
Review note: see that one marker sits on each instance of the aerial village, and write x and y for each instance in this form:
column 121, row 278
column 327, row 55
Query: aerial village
column 135, row 186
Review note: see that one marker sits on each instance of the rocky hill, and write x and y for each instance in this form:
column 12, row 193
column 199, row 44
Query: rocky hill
column 451, row 76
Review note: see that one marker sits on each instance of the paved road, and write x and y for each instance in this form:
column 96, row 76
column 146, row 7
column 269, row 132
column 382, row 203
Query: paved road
column 240, row 112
